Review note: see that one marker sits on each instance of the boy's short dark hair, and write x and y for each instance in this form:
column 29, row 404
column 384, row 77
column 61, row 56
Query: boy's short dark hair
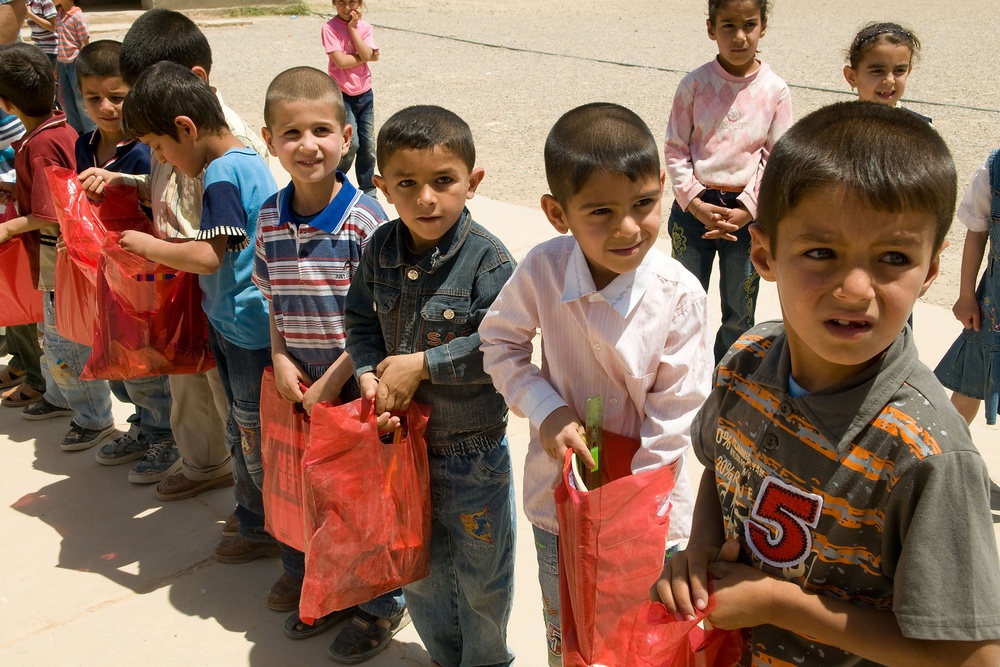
column 887, row 158
column 598, row 137
column 423, row 127
column 303, row 83
column 161, row 94
column 99, row 59
column 26, row 79
column 163, row 34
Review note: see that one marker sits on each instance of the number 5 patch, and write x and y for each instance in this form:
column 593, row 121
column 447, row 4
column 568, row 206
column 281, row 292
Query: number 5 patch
column 778, row 531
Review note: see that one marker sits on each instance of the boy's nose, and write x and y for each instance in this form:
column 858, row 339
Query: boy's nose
column 628, row 226
column 857, row 284
column 426, row 196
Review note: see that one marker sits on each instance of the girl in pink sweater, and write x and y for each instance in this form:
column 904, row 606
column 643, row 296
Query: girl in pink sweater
column 725, row 118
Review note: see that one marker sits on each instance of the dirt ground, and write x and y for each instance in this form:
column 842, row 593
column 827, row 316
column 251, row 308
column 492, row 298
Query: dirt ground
column 512, row 70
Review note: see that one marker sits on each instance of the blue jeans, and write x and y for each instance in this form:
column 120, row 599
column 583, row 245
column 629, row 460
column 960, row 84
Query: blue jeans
column 241, row 370
column 151, row 398
column 738, row 280
column 63, row 361
column 361, row 116
column 71, row 99
column 461, row 609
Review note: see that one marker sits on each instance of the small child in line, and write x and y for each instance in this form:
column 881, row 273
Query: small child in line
column 173, row 111
column 350, row 46
column 149, row 439
column 72, row 34
column 879, row 62
column 844, row 513
column 309, row 244
column 42, row 19
column 618, row 318
column 971, row 367
column 413, row 312
column 725, row 118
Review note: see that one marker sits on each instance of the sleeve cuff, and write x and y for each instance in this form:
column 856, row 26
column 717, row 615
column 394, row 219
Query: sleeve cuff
column 238, row 239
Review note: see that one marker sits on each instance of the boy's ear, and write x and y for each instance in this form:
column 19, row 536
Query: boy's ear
column 185, row 127
column 7, row 107
column 554, row 212
column 850, row 76
column 760, row 253
column 475, row 178
column 266, row 136
column 382, row 185
column 348, row 134
column 934, row 269
column 200, row 72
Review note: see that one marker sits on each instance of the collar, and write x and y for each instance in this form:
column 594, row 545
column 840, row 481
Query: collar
column 333, row 216
column 121, row 148
column 842, row 411
column 55, row 120
column 623, row 293
column 395, row 251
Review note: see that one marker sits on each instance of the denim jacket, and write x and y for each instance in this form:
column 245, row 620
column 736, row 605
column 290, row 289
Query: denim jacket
column 400, row 303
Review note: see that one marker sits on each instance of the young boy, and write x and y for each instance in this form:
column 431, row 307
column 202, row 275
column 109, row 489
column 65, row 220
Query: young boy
column 619, row 319
column 42, row 19
column 28, row 93
column 309, row 245
column 413, row 311
column 173, row 111
column 72, row 34
column 149, row 438
column 855, row 506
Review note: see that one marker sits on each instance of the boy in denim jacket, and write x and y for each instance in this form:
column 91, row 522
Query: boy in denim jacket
column 412, row 316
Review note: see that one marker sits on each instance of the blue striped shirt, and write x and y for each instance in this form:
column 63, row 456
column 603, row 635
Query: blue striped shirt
column 305, row 268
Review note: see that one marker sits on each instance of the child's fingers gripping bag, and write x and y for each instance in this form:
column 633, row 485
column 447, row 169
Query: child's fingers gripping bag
column 370, row 504
column 657, row 640
column 20, row 302
column 284, row 432
column 612, row 541
column 151, row 322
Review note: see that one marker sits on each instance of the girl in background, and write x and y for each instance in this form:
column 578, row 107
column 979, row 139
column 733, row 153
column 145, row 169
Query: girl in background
column 880, row 61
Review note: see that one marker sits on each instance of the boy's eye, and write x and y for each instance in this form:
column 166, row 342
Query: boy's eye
column 405, row 183
column 642, row 203
column 445, row 180
column 601, row 211
column 896, row 259
column 819, row 253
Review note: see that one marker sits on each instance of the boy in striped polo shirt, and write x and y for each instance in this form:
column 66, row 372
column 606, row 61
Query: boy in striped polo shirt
column 72, row 34
column 309, row 244
column 844, row 513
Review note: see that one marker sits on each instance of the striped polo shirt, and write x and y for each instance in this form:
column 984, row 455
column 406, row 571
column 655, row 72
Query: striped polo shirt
column 305, row 267
column 71, row 34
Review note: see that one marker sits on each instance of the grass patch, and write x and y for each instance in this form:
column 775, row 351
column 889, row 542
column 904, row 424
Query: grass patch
column 268, row 10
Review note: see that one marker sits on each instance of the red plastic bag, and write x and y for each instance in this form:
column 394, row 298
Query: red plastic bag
column 284, row 432
column 75, row 301
column 657, row 640
column 151, row 323
column 611, row 545
column 20, row 302
column 370, row 505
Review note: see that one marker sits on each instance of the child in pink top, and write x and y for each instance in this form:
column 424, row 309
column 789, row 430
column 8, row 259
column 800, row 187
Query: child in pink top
column 72, row 34
column 725, row 118
column 350, row 46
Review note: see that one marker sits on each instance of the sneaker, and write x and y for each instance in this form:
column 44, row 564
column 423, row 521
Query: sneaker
column 44, row 410
column 123, row 449
column 84, row 438
column 179, row 486
column 161, row 460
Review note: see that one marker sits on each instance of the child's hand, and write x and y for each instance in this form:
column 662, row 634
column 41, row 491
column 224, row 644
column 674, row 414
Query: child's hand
column 323, row 389
column 966, row 311
column 5, row 234
column 287, row 376
column 712, row 216
column 60, row 244
column 743, row 594
column 94, row 180
column 374, row 56
column 355, row 17
column 136, row 242
column 398, row 379
column 737, row 219
column 386, row 422
column 683, row 584
column 6, row 193
column 562, row 430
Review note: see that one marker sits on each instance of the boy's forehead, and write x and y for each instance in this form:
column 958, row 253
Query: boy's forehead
column 835, row 211
column 434, row 158
column 107, row 82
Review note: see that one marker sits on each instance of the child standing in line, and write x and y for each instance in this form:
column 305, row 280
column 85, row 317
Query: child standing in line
column 413, row 312
column 971, row 367
column 844, row 512
column 309, row 245
column 42, row 17
column 725, row 118
column 174, row 112
column 72, row 34
column 350, row 46
column 618, row 318
column 879, row 63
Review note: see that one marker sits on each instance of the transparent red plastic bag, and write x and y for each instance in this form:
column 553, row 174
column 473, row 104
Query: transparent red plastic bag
column 657, row 640
column 75, row 301
column 20, row 302
column 284, row 432
column 368, row 506
column 151, row 322
column 611, row 546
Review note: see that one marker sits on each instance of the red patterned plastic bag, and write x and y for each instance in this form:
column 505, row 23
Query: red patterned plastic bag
column 657, row 640
column 284, row 432
column 151, row 323
column 369, row 502
column 75, row 301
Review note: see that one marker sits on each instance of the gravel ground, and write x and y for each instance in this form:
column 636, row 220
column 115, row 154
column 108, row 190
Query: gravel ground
column 510, row 74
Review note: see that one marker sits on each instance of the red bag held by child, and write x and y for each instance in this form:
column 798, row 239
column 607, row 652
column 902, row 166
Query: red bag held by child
column 284, row 432
column 75, row 301
column 370, row 504
column 660, row 641
column 151, row 323
column 612, row 541
column 20, row 302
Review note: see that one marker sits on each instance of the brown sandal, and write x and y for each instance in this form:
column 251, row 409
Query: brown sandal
column 22, row 396
column 10, row 378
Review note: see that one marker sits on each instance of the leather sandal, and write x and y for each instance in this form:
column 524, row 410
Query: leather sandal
column 364, row 638
column 22, row 396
